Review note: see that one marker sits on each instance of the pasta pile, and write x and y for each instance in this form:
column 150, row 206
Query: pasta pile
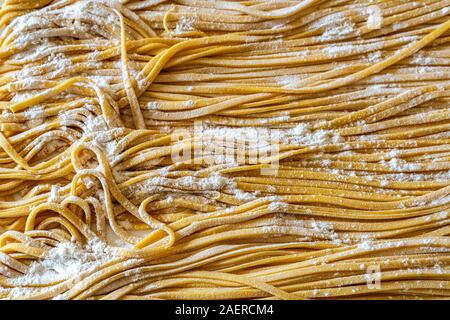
column 348, row 98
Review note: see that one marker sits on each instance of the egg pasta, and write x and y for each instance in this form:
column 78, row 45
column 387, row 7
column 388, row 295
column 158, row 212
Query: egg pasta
column 194, row 149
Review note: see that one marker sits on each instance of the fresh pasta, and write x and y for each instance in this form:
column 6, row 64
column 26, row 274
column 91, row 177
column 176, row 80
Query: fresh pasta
column 194, row 149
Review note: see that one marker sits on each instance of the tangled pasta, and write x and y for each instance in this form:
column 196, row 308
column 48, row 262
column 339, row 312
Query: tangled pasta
column 195, row 149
